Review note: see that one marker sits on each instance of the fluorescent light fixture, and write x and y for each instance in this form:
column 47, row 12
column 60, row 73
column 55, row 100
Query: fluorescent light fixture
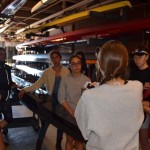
column 44, row 1
column 38, row 5
column 13, row 7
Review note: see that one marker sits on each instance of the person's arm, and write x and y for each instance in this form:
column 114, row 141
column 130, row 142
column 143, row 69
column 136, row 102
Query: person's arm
column 147, row 85
column 146, row 109
column 68, row 108
column 21, row 93
column 146, row 106
column 35, row 86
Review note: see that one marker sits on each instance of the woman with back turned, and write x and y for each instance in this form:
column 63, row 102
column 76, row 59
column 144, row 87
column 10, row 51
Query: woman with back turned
column 110, row 116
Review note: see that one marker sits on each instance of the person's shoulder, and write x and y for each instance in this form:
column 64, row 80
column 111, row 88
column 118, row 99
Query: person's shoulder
column 135, row 83
column 89, row 94
column 85, row 77
column 65, row 69
column 67, row 77
column 48, row 70
column 92, row 91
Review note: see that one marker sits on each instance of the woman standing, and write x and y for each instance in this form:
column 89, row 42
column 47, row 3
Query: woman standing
column 51, row 79
column 142, row 73
column 110, row 116
column 70, row 91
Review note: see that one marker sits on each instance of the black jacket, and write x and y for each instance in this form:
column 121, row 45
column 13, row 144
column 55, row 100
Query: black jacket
column 5, row 80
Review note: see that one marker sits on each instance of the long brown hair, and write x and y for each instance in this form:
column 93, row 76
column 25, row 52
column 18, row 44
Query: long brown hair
column 113, row 60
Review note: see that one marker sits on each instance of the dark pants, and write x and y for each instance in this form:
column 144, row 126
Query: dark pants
column 55, row 103
column 6, row 110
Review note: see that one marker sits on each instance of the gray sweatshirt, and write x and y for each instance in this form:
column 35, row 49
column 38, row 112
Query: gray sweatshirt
column 110, row 117
column 70, row 89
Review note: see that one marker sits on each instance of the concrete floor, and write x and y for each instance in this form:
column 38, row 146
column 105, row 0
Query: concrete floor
column 24, row 138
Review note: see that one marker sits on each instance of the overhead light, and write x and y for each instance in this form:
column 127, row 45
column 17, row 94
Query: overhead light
column 44, row 1
column 13, row 7
column 38, row 5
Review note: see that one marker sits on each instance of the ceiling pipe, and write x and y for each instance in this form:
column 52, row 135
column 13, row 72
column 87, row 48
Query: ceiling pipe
column 56, row 15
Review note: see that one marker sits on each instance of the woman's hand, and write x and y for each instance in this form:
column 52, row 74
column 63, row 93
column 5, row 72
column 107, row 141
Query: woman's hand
column 146, row 106
column 71, row 113
column 21, row 93
column 146, row 85
column 68, row 108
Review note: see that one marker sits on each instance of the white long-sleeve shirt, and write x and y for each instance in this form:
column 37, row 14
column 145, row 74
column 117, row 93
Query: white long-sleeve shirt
column 110, row 117
column 47, row 79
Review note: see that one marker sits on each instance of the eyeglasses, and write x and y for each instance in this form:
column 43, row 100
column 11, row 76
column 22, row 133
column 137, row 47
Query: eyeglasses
column 75, row 64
